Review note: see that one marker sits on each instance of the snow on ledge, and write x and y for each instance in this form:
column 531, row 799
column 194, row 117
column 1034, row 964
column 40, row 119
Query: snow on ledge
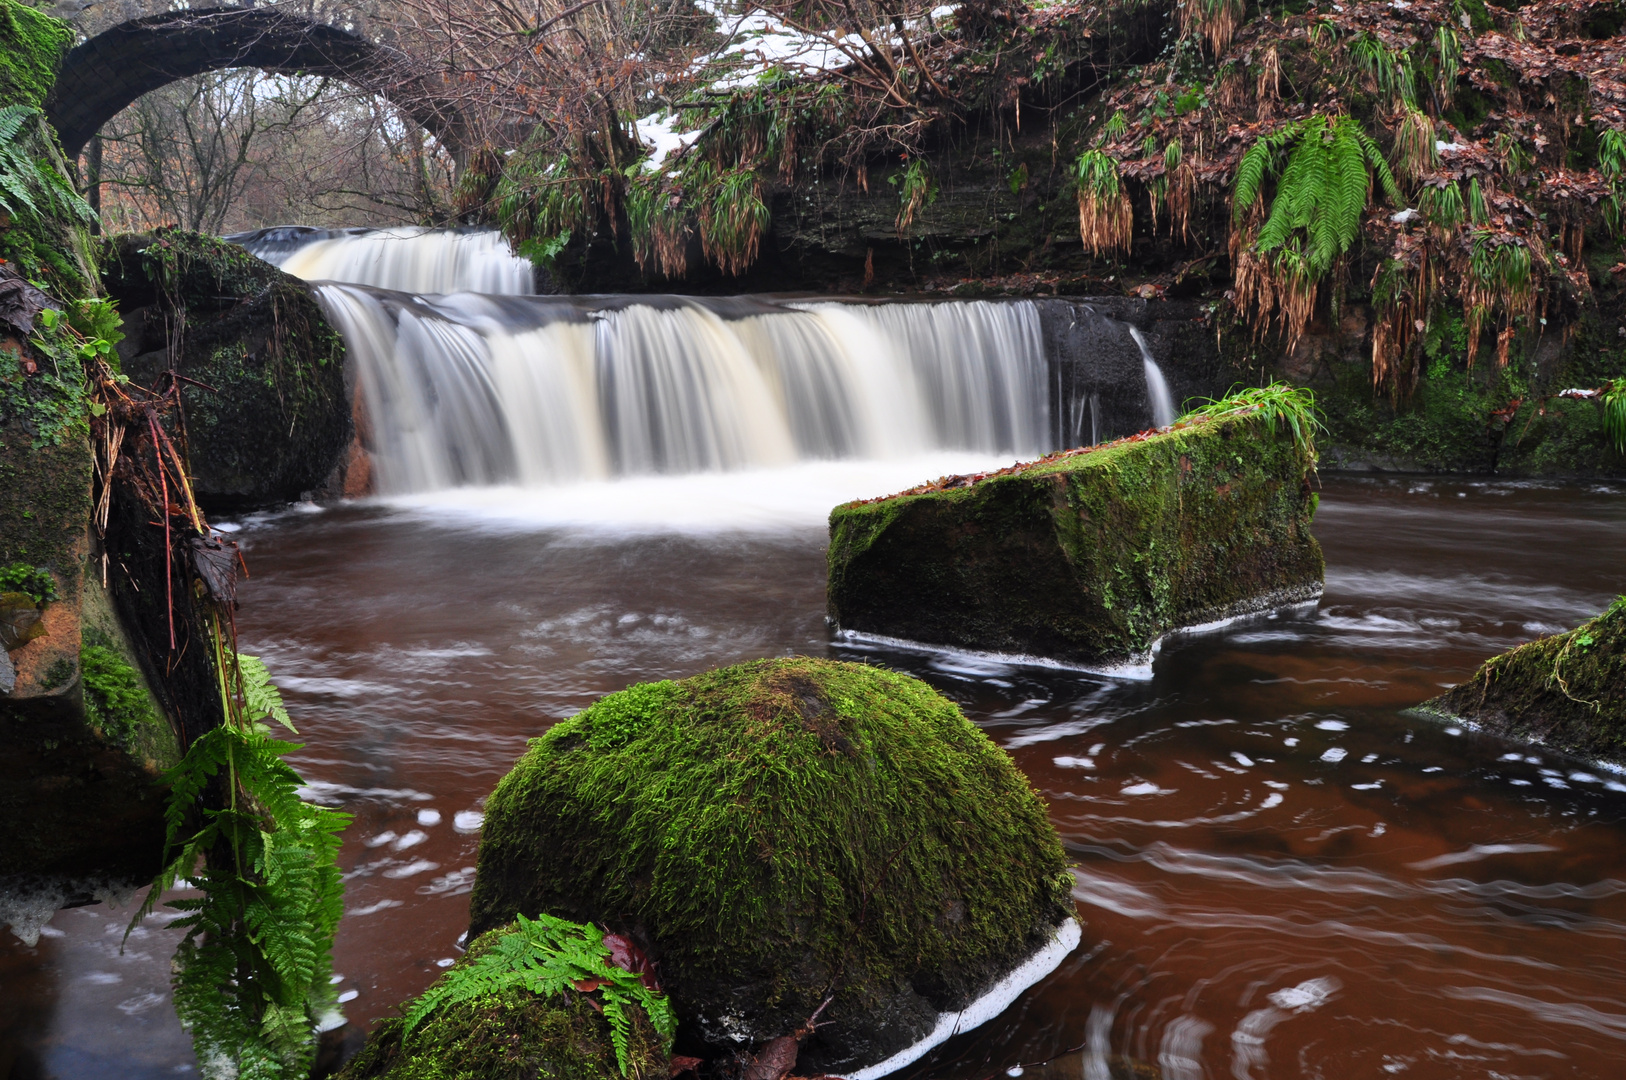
column 998, row 998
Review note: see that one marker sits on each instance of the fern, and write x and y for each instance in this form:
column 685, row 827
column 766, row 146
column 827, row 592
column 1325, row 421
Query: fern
column 28, row 187
column 548, row 956
column 251, row 975
column 1323, row 190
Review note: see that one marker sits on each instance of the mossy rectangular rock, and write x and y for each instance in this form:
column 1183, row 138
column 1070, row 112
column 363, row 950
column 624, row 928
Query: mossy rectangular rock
column 1088, row 556
column 1567, row 691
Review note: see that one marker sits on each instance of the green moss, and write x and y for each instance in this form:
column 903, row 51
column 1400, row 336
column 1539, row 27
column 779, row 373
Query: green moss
column 116, row 698
column 1088, row 557
column 59, row 674
column 1567, row 691
column 32, row 45
column 778, row 831
column 513, row 1035
column 33, row 581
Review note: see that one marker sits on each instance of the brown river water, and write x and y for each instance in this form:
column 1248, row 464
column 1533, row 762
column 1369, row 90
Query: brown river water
column 1280, row 871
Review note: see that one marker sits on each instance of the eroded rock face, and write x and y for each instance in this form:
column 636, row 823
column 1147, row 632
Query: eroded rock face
column 781, row 831
column 1567, row 692
column 1087, row 556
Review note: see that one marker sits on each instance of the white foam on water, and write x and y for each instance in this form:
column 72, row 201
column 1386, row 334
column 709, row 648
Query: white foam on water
column 998, row 998
column 790, row 498
column 1131, row 671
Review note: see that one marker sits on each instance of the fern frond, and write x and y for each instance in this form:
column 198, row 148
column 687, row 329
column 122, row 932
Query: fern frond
column 546, row 956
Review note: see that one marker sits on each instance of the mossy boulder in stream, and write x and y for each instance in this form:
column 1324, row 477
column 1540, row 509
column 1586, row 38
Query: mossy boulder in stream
column 1087, row 556
column 778, row 832
column 267, row 411
column 1567, row 691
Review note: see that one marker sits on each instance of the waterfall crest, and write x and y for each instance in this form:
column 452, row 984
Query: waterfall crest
column 471, row 390
column 415, row 260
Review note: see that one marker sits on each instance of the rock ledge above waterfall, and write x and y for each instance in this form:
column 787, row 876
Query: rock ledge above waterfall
column 1088, row 556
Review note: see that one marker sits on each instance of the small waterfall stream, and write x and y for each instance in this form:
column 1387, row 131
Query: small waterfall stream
column 1157, row 387
column 469, row 380
column 478, row 390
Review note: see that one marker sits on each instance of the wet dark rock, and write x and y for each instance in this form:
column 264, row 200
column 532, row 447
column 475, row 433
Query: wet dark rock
column 1566, row 692
column 1087, row 557
column 266, row 403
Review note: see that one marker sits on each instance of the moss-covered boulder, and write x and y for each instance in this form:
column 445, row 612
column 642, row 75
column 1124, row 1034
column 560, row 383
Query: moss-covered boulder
column 511, row 1034
column 267, row 412
column 1087, row 556
column 778, row 832
column 1567, row 691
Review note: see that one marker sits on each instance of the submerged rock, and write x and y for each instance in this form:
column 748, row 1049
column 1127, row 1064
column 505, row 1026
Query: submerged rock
column 1567, row 692
column 511, row 1034
column 778, row 833
column 1086, row 556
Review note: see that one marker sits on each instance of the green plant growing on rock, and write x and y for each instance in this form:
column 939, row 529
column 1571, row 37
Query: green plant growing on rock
column 1105, row 218
column 733, row 219
column 35, row 582
column 550, row 956
column 1279, row 405
column 1614, row 414
column 916, row 190
column 27, row 188
column 1612, row 164
column 1500, row 280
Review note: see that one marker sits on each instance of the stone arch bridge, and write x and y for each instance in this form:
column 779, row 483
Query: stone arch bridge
column 111, row 70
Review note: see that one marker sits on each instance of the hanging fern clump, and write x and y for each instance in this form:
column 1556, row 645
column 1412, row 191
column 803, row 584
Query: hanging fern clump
column 916, row 189
column 1500, row 283
column 1612, row 164
column 733, row 218
column 1614, row 414
column 252, row 974
column 1402, row 290
column 1105, row 219
column 1416, row 149
column 1313, row 220
column 659, row 225
column 549, row 956
column 1215, row 21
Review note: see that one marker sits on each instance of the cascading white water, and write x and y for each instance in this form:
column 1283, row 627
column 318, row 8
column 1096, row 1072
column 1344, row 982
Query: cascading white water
column 1157, row 387
column 429, row 261
column 475, row 390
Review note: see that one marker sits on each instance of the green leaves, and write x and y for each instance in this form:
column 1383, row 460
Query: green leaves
column 1322, row 192
column 28, row 186
column 1279, row 405
column 251, row 975
column 1614, row 414
column 549, row 956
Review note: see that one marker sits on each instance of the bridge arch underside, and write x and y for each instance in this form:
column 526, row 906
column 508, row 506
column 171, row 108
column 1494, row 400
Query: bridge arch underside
column 104, row 75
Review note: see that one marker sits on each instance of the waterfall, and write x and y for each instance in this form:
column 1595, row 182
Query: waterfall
column 430, row 261
column 1157, row 388
column 479, row 390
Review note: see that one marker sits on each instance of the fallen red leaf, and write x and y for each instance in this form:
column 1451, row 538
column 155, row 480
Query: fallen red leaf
column 682, row 1064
